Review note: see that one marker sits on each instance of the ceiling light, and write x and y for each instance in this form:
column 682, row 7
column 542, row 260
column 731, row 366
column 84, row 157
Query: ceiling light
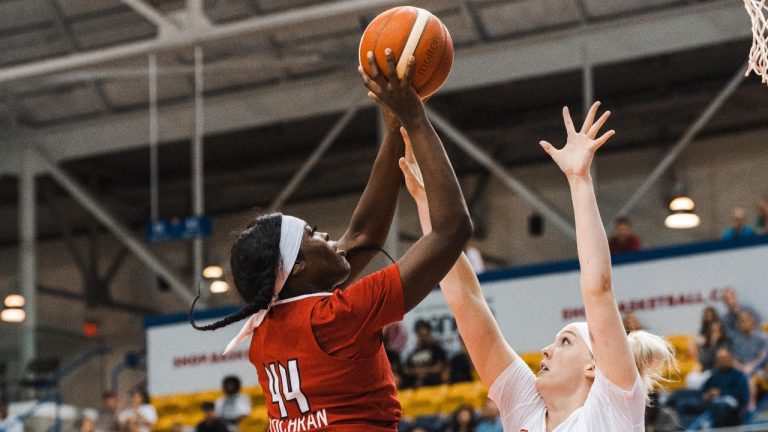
column 682, row 220
column 13, row 315
column 219, row 286
column 681, row 203
column 14, row 300
column 213, row 272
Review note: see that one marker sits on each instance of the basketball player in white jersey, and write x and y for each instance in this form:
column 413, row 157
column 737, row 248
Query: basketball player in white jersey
column 593, row 377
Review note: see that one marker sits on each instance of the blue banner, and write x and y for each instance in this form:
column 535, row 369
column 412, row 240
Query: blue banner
column 178, row 229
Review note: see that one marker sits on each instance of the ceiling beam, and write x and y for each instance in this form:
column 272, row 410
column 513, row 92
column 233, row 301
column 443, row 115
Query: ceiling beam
column 189, row 36
column 624, row 39
column 65, row 29
column 164, row 26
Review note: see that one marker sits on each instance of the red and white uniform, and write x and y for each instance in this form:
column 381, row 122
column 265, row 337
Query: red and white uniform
column 321, row 361
column 607, row 408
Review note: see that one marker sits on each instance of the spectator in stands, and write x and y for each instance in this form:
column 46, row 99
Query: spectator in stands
column 9, row 423
column 750, row 348
column 210, row 422
column 708, row 316
column 425, row 423
column 475, row 259
column 733, row 307
column 623, row 238
column 762, row 215
column 464, row 419
column 632, row 322
column 233, row 406
column 709, row 342
column 106, row 421
column 86, row 423
column 140, row 416
column 425, row 364
column 459, row 367
column 726, row 391
column 659, row 418
column 739, row 229
column 490, row 420
column 711, row 337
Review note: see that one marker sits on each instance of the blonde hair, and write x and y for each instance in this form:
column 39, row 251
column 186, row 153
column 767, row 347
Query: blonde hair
column 653, row 356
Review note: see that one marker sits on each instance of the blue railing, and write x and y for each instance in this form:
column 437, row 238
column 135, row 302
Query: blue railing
column 131, row 361
column 51, row 383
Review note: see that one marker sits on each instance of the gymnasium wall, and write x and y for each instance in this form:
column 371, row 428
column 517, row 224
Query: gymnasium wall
column 667, row 289
column 721, row 172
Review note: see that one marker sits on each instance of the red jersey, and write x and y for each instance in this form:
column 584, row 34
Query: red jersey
column 350, row 389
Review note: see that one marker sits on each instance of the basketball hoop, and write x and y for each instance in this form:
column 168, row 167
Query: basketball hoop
column 758, row 55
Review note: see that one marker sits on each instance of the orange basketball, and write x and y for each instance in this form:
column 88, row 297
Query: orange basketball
column 407, row 31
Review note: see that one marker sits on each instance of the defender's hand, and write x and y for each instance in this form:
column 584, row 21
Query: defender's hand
column 576, row 157
column 410, row 168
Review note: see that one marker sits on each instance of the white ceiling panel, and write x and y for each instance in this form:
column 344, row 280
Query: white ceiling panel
column 112, row 29
column 325, row 28
column 460, row 29
column 525, row 16
column 19, row 13
column 80, row 7
column 341, row 49
column 5, row 115
column 319, row 67
column 612, row 7
column 123, row 93
column 227, row 50
column 32, row 45
column 228, row 10
column 72, row 102
column 238, row 77
column 272, row 5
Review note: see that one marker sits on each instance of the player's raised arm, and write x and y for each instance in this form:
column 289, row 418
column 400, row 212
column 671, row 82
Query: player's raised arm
column 372, row 217
column 485, row 343
column 427, row 261
column 611, row 349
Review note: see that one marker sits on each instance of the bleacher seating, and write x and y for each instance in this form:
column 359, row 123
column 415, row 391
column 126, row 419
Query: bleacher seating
column 425, row 401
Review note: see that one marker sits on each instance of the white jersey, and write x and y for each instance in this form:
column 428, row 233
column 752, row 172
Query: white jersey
column 143, row 414
column 607, row 408
column 232, row 408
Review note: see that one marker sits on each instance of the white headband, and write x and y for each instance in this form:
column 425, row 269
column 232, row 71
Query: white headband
column 291, row 233
column 583, row 330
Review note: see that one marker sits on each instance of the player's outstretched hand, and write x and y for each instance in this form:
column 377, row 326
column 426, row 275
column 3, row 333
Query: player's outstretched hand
column 395, row 93
column 576, row 157
column 411, row 172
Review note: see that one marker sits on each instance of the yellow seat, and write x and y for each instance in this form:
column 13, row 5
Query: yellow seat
column 472, row 393
column 443, row 399
column 682, row 344
column 532, row 359
column 423, row 401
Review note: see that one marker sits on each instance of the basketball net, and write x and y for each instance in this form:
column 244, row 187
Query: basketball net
column 758, row 55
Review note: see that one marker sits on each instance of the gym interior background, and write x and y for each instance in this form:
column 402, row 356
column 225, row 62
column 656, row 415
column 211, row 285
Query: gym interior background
column 247, row 90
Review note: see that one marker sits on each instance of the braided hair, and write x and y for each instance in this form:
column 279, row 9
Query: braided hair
column 254, row 260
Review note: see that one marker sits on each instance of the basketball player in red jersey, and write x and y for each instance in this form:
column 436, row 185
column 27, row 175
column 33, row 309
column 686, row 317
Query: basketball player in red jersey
column 317, row 349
